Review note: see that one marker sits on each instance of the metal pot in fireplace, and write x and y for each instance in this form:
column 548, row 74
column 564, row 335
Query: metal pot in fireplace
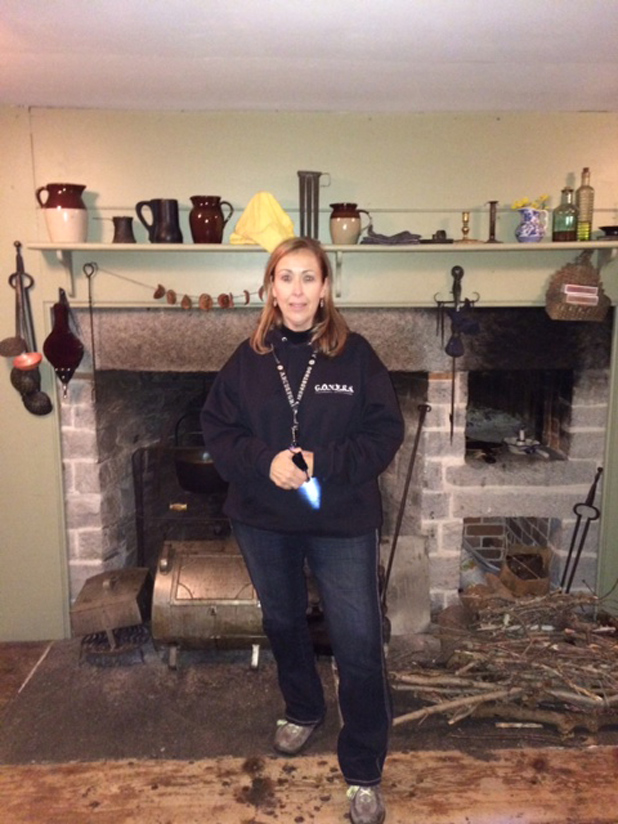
column 195, row 469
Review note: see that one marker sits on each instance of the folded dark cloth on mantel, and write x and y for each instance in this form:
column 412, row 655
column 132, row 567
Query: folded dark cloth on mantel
column 401, row 238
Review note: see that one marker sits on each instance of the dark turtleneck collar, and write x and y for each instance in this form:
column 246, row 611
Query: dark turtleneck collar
column 296, row 337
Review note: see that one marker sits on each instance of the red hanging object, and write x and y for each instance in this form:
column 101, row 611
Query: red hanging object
column 62, row 348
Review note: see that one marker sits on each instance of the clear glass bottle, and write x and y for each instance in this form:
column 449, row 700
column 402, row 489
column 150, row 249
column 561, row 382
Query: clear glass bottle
column 564, row 218
column 584, row 200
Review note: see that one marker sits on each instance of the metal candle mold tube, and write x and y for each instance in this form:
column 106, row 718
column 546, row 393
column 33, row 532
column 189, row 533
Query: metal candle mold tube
column 309, row 193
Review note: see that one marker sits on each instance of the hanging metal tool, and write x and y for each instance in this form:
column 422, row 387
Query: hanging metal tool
column 12, row 346
column 586, row 513
column 25, row 375
column 90, row 270
column 62, row 348
column 462, row 322
column 424, row 408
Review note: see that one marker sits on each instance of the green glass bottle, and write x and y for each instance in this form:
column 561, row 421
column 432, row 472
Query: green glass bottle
column 564, row 218
column 584, row 200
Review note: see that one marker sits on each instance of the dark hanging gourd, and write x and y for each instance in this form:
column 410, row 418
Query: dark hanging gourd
column 62, row 348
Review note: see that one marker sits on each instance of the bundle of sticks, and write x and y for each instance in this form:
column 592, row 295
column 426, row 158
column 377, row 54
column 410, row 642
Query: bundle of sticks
column 545, row 660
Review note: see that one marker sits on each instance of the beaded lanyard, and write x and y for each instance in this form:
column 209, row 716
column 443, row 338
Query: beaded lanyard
column 294, row 402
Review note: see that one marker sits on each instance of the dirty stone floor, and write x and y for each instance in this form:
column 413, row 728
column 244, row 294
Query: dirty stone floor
column 66, row 708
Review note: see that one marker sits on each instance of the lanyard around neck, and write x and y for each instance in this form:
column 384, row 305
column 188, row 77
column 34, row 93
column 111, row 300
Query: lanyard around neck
column 294, row 401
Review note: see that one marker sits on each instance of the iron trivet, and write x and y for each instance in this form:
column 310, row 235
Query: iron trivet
column 127, row 648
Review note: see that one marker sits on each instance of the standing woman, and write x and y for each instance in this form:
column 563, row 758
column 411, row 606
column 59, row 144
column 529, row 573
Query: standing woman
column 301, row 421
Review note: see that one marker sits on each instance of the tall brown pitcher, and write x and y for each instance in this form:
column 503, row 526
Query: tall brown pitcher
column 206, row 218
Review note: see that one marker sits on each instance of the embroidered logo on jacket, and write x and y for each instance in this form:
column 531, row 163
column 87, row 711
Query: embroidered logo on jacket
column 333, row 389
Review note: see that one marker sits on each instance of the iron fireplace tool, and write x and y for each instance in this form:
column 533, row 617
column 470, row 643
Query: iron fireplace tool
column 424, row 408
column 90, row 270
column 15, row 345
column 25, row 375
column 62, row 348
column 462, row 322
column 586, row 513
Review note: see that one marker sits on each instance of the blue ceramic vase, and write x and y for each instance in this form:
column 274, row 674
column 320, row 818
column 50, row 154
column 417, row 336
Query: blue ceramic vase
column 532, row 226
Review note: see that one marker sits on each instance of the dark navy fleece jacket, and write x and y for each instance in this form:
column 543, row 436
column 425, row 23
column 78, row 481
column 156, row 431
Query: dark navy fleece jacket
column 349, row 418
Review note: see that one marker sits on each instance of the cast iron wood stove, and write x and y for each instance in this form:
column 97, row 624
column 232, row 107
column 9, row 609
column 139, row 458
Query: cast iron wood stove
column 203, row 596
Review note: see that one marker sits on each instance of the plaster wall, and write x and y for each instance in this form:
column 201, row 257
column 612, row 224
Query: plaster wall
column 415, row 172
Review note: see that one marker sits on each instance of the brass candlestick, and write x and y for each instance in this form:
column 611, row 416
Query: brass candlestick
column 465, row 229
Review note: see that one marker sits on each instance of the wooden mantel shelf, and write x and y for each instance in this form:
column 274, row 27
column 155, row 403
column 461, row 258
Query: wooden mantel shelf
column 416, row 248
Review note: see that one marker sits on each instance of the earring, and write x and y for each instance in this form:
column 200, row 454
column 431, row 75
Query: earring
column 321, row 303
column 274, row 301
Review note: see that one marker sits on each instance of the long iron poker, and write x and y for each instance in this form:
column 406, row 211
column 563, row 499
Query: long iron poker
column 424, row 408
column 457, row 272
column 586, row 512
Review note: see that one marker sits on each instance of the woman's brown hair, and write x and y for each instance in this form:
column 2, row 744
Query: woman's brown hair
column 330, row 331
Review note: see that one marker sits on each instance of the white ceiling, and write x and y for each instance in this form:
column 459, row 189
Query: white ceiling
column 311, row 55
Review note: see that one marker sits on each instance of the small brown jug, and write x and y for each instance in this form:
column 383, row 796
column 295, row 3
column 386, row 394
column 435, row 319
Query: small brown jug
column 123, row 229
column 345, row 223
column 206, row 218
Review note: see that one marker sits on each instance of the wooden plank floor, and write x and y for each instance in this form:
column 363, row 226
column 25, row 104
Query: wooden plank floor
column 17, row 663
column 549, row 786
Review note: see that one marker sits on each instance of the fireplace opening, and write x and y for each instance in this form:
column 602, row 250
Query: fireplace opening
column 531, row 406
column 142, row 502
column 486, row 542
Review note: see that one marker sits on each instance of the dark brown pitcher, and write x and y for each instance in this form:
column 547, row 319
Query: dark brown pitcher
column 206, row 218
column 165, row 225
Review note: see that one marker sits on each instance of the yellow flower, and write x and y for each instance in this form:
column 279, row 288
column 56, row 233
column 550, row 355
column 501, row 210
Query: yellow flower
column 525, row 202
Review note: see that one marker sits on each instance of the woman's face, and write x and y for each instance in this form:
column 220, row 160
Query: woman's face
column 298, row 288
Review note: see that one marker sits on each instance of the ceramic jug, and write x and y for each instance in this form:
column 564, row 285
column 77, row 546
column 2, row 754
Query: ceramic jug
column 206, row 218
column 66, row 216
column 123, row 229
column 164, row 226
column 532, row 226
column 345, row 223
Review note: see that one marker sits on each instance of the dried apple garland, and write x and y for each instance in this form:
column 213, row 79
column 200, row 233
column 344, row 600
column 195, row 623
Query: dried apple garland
column 205, row 302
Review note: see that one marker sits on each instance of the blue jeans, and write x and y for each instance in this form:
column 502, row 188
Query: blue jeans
column 346, row 572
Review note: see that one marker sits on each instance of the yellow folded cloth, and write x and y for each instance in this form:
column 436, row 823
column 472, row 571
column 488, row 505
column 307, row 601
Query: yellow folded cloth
column 263, row 223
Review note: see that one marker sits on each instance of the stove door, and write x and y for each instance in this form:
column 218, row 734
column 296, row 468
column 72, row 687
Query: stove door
column 203, row 595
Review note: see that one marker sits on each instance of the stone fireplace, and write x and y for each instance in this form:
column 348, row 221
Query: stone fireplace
column 550, row 377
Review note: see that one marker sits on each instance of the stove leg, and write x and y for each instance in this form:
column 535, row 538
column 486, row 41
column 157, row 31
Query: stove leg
column 172, row 657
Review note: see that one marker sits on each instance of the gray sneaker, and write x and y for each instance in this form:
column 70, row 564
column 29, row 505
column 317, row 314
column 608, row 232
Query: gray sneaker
column 366, row 805
column 291, row 738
